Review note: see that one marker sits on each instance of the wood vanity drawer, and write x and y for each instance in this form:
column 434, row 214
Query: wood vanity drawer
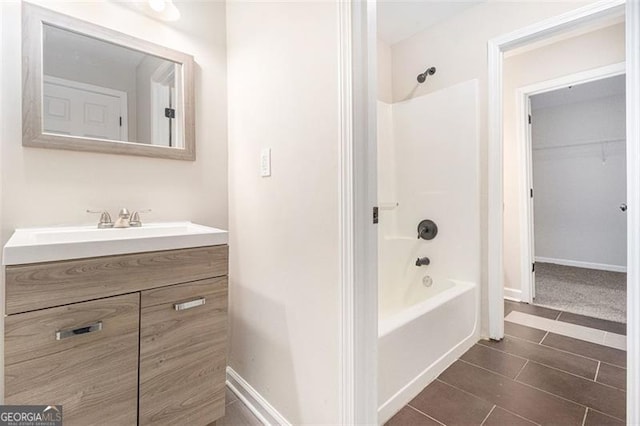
column 44, row 285
column 183, row 353
column 62, row 356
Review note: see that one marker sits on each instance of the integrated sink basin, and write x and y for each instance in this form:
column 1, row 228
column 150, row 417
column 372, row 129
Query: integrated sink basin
column 33, row 245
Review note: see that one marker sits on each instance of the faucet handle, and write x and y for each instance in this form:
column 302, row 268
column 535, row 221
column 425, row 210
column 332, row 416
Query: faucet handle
column 124, row 213
column 105, row 218
column 135, row 217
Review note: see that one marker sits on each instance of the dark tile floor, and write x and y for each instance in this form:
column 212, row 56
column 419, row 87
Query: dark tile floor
column 530, row 377
column 597, row 323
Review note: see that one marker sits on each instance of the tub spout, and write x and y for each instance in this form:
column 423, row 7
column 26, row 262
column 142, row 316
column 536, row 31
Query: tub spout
column 422, row 261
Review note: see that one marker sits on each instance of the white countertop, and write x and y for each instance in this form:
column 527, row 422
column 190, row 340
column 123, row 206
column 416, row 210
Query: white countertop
column 33, row 245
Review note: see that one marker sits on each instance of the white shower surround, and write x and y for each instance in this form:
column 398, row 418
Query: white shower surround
column 428, row 163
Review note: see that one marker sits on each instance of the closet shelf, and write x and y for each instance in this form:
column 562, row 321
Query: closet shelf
column 571, row 145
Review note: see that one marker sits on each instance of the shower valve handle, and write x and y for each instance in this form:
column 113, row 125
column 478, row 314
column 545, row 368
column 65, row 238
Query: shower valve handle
column 427, row 230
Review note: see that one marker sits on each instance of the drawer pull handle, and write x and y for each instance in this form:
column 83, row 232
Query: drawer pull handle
column 190, row 304
column 63, row 334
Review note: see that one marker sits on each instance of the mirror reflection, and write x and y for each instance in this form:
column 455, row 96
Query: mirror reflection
column 100, row 90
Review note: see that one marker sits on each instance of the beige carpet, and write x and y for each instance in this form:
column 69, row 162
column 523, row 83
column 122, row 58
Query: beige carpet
column 599, row 294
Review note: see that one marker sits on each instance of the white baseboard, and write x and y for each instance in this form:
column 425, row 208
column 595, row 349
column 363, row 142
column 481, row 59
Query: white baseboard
column 513, row 294
column 579, row 264
column 413, row 388
column 255, row 402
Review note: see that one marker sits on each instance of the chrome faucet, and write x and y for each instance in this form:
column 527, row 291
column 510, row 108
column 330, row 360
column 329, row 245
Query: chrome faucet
column 134, row 220
column 105, row 219
column 123, row 220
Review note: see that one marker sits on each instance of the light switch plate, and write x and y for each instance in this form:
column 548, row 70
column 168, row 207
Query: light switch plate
column 265, row 162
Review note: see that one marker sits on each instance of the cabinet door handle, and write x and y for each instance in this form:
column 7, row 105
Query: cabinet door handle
column 190, row 304
column 63, row 334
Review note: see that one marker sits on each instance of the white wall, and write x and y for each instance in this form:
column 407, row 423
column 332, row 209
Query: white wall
column 577, row 193
column 587, row 51
column 50, row 187
column 387, row 197
column 284, row 257
column 387, row 167
column 458, row 48
column 41, row 187
column 384, row 72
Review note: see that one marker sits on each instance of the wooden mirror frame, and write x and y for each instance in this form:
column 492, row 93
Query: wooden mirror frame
column 33, row 20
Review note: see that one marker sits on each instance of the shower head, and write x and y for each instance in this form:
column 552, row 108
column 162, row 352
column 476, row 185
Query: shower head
column 422, row 77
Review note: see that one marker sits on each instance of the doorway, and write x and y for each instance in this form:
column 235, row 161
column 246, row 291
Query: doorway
column 576, row 179
column 496, row 54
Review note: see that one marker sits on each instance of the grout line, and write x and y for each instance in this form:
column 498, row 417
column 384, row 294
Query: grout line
column 594, row 328
column 604, row 414
column 595, row 379
column 518, row 415
column 613, row 365
column 488, row 414
column 554, row 395
column 465, row 391
column 575, row 331
column 485, row 369
column 541, row 363
column 584, row 419
column 482, row 398
column 499, row 350
column 571, row 374
column 520, row 383
column 424, row 414
column 558, row 317
column 558, row 349
column 579, row 355
column 531, row 386
column 518, row 375
column 567, row 399
column 544, row 337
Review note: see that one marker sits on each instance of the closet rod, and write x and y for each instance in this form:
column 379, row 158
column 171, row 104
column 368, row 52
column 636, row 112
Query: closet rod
column 569, row 145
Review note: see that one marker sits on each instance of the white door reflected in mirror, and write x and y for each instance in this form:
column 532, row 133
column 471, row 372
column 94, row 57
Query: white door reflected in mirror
column 76, row 109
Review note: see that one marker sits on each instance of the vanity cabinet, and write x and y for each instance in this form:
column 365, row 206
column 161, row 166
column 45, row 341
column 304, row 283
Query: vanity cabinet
column 82, row 356
column 183, row 333
column 120, row 340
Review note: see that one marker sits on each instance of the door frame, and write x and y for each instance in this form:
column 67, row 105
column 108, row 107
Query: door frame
column 496, row 48
column 161, row 80
column 358, row 391
column 525, row 157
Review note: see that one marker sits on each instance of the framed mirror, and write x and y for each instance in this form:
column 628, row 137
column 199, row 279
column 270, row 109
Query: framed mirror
column 89, row 88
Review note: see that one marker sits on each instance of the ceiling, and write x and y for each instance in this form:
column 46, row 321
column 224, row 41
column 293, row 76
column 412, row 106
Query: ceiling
column 611, row 86
column 400, row 19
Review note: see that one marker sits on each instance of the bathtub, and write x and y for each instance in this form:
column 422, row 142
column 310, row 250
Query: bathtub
column 420, row 334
